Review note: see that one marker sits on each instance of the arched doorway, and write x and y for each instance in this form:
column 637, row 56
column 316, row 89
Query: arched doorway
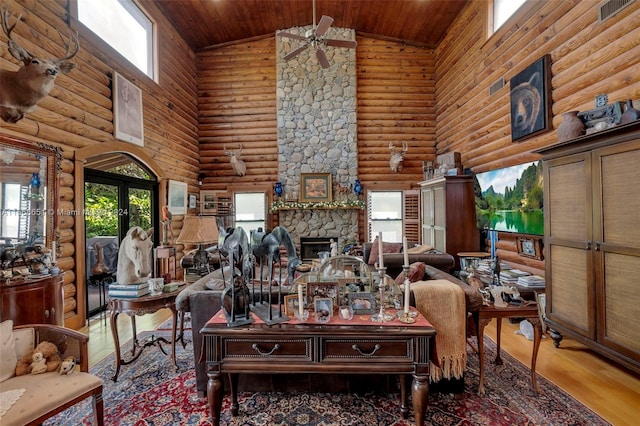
column 119, row 193
column 131, row 185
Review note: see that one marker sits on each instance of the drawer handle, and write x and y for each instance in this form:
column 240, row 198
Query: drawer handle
column 376, row 348
column 257, row 349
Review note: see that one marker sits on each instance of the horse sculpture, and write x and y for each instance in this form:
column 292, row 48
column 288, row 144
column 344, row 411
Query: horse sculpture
column 134, row 257
column 236, row 298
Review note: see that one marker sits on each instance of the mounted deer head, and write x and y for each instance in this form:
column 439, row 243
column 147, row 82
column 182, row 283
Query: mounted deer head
column 21, row 90
column 238, row 165
column 396, row 162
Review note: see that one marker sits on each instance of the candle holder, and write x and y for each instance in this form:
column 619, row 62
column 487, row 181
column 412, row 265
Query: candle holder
column 382, row 315
column 408, row 316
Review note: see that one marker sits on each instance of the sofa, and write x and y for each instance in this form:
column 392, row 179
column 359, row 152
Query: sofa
column 394, row 261
column 203, row 303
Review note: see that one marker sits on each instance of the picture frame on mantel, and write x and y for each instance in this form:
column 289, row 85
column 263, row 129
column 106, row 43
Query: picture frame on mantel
column 315, row 187
column 530, row 100
column 127, row 111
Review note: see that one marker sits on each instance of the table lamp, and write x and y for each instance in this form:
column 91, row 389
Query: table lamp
column 199, row 230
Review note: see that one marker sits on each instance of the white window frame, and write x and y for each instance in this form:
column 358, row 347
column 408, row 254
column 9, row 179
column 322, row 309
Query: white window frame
column 492, row 25
column 260, row 213
column 144, row 20
column 376, row 223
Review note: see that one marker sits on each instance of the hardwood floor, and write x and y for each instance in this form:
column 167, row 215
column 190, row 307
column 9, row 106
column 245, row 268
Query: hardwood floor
column 608, row 389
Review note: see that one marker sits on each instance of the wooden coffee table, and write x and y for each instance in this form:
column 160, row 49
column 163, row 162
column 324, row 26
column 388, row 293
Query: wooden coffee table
column 140, row 306
column 358, row 346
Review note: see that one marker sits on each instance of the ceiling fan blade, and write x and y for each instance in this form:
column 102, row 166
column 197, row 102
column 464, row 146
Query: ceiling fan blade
column 340, row 43
column 322, row 58
column 290, row 35
column 323, row 25
column 295, row 52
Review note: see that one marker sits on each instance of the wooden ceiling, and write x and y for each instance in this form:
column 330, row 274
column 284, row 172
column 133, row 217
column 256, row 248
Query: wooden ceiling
column 209, row 23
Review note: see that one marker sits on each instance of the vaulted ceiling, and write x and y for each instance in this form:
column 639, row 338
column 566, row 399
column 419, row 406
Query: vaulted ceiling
column 207, row 23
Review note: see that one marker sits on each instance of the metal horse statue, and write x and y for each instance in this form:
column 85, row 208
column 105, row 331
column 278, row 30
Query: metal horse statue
column 134, row 257
column 236, row 298
column 266, row 247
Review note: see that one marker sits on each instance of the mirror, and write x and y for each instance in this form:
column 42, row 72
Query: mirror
column 28, row 192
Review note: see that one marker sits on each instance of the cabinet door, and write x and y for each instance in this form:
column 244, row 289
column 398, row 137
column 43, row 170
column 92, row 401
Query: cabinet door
column 427, row 215
column 617, row 245
column 568, row 224
column 440, row 217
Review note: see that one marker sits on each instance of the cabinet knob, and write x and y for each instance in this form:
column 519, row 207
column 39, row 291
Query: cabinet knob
column 597, row 247
column 587, row 245
column 46, row 313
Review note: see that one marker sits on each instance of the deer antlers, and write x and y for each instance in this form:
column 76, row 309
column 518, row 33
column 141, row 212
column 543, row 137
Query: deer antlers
column 21, row 90
column 238, row 165
column 397, row 156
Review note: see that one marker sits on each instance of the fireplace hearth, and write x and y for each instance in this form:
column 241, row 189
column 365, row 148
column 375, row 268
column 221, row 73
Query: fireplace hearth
column 311, row 246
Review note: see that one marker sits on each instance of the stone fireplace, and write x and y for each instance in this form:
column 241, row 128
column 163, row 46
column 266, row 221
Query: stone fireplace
column 317, row 129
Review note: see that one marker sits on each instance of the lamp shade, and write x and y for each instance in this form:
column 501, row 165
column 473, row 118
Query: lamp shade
column 199, row 230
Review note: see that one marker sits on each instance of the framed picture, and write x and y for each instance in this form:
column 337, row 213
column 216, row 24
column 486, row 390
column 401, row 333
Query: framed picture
column 127, row 111
column 315, row 187
column 208, row 202
column 362, row 303
column 192, row 201
column 328, row 289
column 530, row 98
column 529, row 247
column 290, row 304
column 323, row 306
column 177, row 197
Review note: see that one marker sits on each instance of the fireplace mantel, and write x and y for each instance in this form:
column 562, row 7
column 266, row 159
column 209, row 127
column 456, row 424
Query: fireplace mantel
column 327, row 205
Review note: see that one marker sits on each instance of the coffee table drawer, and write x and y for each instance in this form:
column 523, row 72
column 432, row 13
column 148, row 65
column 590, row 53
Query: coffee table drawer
column 274, row 349
column 358, row 349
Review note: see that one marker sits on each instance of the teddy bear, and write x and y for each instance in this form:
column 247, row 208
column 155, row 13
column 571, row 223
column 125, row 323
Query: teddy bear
column 38, row 363
column 68, row 365
column 50, row 355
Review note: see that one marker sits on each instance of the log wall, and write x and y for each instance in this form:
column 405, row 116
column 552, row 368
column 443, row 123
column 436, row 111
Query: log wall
column 436, row 101
column 78, row 114
column 588, row 58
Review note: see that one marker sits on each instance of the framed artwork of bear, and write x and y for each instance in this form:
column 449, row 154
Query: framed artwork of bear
column 530, row 97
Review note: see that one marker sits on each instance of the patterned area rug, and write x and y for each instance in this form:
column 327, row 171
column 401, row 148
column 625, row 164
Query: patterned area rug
column 151, row 392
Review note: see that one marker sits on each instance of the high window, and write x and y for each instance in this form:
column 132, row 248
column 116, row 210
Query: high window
column 125, row 27
column 385, row 215
column 500, row 11
column 250, row 210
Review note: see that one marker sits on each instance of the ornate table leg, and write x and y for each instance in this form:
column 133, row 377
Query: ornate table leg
column 233, row 381
column 482, row 323
column 404, row 396
column 215, row 389
column 174, row 312
column 537, row 337
column 116, row 341
column 498, row 360
column 420, row 396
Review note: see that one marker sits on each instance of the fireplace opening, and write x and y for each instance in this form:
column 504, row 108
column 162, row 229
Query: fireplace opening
column 311, row 246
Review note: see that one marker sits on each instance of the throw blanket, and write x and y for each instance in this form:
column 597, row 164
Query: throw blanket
column 442, row 303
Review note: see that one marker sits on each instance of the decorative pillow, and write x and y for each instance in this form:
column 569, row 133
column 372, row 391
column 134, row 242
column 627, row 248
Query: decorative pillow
column 416, row 273
column 8, row 358
column 420, row 249
column 386, row 248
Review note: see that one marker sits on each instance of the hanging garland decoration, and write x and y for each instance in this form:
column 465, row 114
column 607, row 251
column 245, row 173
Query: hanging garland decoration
column 325, row 205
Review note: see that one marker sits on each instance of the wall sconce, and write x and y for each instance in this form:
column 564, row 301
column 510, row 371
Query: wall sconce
column 200, row 178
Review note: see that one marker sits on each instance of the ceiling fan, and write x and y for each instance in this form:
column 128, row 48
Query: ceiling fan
column 315, row 38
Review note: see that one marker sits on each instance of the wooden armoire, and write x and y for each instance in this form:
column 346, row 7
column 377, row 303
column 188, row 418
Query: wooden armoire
column 592, row 241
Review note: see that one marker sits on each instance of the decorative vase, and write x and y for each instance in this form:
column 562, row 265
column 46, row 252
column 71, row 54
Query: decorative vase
column 357, row 188
column 35, row 180
column 278, row 189
column 630, row 113
column 571, row 126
